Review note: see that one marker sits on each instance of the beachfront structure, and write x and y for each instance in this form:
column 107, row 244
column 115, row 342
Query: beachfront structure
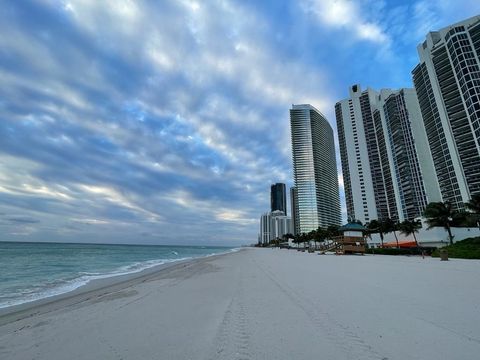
column 314, row 169
column 274, row 225
column 447, row 81
column 352, row 239
column 387, row 170
column 278, row 198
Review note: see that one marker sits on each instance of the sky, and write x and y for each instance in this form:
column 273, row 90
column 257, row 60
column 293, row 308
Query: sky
column 166, row 122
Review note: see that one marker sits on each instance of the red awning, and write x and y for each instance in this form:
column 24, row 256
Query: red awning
column 401, row 244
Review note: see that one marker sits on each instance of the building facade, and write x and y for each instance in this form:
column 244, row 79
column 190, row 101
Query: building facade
column 274, row 225
column 367, row 175
column 294, row 209
column 314, row 169
column 278, row 198
column 413, row 168
column 381, row 140
column 447, row 81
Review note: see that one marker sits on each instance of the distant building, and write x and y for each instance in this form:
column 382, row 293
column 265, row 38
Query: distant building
column 314, row 169
column 278, row 198
column 274, row 225
column 387, row 169
column 447, row 81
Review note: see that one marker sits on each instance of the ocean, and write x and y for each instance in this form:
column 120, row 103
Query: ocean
column 32, row 271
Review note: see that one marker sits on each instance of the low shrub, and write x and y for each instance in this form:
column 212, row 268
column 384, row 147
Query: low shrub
column 395, row 251
column 465, row 249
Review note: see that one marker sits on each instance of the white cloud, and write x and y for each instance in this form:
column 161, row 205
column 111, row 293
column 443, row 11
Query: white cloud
column 211, row 67
column 212, row 209
column 116, row 197
column 348, row 15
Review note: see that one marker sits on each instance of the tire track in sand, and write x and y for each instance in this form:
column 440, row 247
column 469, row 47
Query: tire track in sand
column 233, row 341
column 338, row 333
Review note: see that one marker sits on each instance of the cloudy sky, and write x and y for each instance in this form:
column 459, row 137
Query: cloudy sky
column 166, row 121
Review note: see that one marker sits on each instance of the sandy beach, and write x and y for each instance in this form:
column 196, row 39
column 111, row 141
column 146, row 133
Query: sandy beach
column 263, row 304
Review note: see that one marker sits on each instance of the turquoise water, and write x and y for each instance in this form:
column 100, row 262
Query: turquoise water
column 31, row 271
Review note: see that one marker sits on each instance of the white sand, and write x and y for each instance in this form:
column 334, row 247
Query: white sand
column 265, row 304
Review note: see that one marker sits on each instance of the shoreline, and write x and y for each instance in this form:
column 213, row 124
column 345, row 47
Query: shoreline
column 262, row 304
column 93, row 288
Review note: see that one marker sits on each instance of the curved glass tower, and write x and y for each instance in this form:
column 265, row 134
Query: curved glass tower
column 314, row 169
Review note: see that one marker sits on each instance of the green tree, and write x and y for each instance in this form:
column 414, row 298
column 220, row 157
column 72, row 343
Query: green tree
column 410, row 227
column 304, row 239
column 473, row 219
column 296, row 239
column 389, row 226
column 474, row 204
column 440, row 214
column 311, row 237
column 287, row 236
column 376, row 227
column 332, row 232
column 320, row 235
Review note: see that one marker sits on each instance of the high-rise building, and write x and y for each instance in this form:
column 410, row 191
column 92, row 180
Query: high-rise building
column 278, row 198
column 366, row 173
column 314, row 169
column 447, row 81
column 274, row 225
column 413, row 168
column 380, row 136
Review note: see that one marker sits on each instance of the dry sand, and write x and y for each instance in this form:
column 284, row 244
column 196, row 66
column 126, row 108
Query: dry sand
column 264, row 304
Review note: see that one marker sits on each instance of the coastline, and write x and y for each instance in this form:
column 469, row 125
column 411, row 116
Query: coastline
column 94, row 288
column 263, row 304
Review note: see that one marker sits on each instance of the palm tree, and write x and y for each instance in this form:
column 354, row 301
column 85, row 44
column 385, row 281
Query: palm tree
column 320, row 235
column 440, row 214
column 286, row 237
column 311, row 236
column 390, row 226
column 474, row 204
column 410, row 227
column 296, row 240
column 304, row 239
column 375, row 228
column 332, row 232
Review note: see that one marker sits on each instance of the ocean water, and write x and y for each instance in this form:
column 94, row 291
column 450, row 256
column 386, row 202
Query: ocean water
column 32, row 271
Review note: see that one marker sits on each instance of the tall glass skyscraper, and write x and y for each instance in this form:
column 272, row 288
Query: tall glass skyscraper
column 278, row 198
column 314, row 169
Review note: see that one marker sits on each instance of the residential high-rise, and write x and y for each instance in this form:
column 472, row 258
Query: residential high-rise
column 274, row 225
column 412, row 162
column 278, row 198
column 447, row 81
column 380, row 136
column 366, row 171
column 314, row 169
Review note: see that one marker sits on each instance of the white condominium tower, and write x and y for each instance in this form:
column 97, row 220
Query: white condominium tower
column 315, row 170
column 447, row 81
column 385, row 161
column 414, row 182
column 274, row 225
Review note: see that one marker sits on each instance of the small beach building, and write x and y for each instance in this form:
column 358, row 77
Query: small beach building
column 352, row 239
